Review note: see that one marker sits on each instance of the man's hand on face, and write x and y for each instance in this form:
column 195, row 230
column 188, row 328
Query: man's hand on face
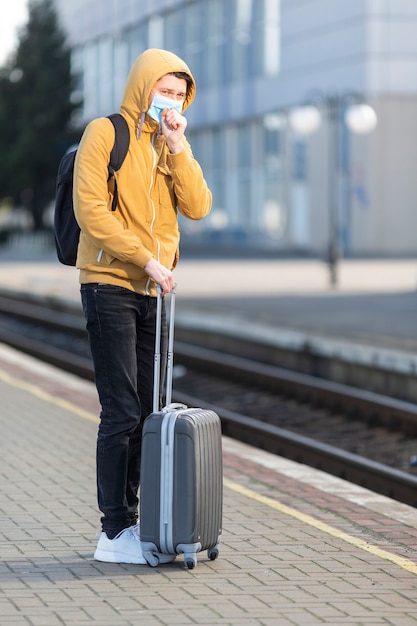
column 173, row 128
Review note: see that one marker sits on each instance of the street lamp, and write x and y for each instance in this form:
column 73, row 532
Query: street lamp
column 360, row 118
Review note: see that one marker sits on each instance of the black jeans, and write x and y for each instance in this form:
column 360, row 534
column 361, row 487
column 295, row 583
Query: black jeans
column 121, row 331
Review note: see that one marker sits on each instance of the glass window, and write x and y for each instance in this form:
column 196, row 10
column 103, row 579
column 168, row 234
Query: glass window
column 156, row 31
column 218, row 149
column 197, row 141
column 216, row 175
column 272, row 140
column 219, row 216
column 272, row 43
column 105, row 77
column 121, row 70
column 90, row 82
column 216, row 34
column 257, row 33
column 273, row 210
column 300, row 160
column 266, row 37
column 244, row 188
column 274, row 213
column 138, row 41
column 244, row 152
column 174, row 32
column 244, row 198
column 193, row 49
column 241, row 40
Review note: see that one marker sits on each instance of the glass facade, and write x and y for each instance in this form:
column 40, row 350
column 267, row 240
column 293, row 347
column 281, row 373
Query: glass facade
column 222, row 41
column 254, row 61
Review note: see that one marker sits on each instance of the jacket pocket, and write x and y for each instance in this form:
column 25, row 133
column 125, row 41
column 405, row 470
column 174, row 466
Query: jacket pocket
column 167, row 212
column 104, row 258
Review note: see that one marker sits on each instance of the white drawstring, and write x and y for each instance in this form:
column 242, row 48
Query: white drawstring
column 142, row 117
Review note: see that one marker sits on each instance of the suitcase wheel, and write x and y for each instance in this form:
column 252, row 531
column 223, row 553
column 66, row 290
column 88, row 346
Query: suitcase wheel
column 190, row 561
column 213, row 553
column 152, row 559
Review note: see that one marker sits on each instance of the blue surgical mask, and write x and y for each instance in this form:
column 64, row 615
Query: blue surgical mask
column 159, row 103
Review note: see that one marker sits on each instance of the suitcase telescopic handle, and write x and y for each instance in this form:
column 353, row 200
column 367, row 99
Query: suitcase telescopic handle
column 170, row 354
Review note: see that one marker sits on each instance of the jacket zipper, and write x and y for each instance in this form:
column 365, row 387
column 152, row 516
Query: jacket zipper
column 153, row 207
column 100, row 253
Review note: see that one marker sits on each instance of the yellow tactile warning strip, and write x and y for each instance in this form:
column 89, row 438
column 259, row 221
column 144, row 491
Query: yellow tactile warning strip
column 402, row 562
column 44, row 395
column 325, row 528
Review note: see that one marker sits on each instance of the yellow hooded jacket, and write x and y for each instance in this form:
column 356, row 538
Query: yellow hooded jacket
column 152, row 186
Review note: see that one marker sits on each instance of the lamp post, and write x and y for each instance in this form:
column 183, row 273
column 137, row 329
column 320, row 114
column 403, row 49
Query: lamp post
column 360, row 118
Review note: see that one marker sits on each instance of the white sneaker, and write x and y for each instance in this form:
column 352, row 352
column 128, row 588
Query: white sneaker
column 124, row 548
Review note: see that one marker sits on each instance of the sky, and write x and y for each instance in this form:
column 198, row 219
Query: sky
column 12, row 16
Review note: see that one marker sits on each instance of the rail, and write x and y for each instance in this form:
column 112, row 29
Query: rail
column 31, row 327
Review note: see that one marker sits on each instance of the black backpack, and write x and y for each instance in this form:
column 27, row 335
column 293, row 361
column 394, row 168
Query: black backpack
column 66, row 229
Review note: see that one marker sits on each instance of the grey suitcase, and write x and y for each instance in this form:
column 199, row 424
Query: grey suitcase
column 181, row 492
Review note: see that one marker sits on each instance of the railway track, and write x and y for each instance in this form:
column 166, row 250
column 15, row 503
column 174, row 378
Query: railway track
column 361, row 436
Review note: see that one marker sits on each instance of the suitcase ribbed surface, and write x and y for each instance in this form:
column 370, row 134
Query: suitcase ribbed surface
column 195, row 484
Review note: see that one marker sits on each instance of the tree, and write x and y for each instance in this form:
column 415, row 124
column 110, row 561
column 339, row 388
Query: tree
column 36, row 111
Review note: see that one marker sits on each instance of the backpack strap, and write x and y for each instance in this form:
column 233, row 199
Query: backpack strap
column 119, row 150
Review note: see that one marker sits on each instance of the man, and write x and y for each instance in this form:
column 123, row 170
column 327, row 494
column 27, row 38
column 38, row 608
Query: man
column 122, row 256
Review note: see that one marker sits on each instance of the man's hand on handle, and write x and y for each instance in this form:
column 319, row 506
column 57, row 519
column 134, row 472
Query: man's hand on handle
column 160, row 275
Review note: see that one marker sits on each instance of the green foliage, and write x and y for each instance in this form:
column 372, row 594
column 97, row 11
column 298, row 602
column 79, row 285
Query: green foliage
column 36, row 111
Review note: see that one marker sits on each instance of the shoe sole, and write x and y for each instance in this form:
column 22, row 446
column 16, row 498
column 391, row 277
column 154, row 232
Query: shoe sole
column 114, row 557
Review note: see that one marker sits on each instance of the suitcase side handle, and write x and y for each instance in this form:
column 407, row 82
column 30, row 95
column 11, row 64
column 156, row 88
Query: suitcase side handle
column 157, row 355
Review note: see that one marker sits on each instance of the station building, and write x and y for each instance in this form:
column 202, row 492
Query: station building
column 287, row 187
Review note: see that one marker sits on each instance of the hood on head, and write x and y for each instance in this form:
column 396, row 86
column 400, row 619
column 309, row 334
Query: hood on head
column 148, row 68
